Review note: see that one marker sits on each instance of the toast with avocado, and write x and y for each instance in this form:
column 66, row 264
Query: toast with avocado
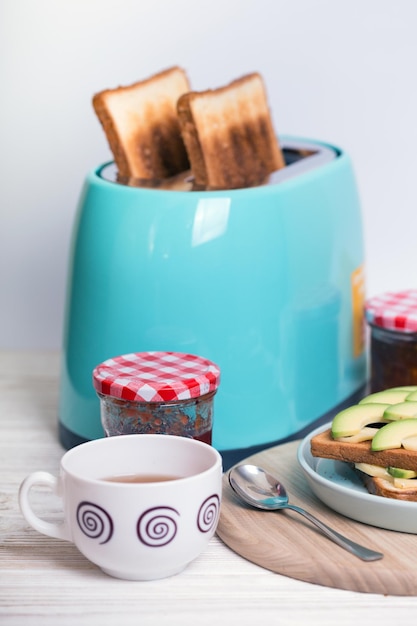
column 378, row 438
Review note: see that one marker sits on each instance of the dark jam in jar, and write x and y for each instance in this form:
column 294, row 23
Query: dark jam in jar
column 187, row 418
column 157, row 393
column 392, row 320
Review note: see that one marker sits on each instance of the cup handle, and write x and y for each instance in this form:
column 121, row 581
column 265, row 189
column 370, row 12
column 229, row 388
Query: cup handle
column 58, row 531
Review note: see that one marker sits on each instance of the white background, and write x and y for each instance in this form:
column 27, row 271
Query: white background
column 342, row 71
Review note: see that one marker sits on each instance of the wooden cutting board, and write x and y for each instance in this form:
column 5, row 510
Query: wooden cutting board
column 286, row 543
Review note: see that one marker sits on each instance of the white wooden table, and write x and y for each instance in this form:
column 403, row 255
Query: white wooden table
column 45, row 581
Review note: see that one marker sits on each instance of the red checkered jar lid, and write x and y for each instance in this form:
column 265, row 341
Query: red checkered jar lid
column 156, row 377
column 393, row 311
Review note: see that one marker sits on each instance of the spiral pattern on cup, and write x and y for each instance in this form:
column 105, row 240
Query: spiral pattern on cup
column 208, row 513
column 157, row 526
column 94, row 521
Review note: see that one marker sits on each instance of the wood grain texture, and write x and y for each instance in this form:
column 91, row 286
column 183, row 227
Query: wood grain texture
column 285, row 543
column 47, row 581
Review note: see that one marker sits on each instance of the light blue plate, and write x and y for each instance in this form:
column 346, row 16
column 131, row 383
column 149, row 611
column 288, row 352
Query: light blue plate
column 336, row 485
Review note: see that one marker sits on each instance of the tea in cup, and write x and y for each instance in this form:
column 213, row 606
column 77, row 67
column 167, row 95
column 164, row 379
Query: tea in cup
column 140, row 507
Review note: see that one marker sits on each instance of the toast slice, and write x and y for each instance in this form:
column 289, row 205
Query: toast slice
column 323, row 445
column 381, row 487
column 229, row 136
column 141, row 125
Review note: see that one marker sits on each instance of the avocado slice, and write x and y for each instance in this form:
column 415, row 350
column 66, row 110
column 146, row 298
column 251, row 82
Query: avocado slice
column 350, row 421
column 372, row 470
column 396, row 434
column 388, row 396
column 405, row 483
column 400, row 411
column 412, row 396
column 365, row 434
column 410, row 443
column 397, row 472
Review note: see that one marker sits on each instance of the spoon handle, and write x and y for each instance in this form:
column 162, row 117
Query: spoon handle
column 360, row 551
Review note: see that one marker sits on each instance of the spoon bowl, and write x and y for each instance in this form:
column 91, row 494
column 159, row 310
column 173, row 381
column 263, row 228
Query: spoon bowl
column 263, row 491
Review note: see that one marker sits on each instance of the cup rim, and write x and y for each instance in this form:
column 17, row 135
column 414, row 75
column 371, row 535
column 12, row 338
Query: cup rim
column 215, row 462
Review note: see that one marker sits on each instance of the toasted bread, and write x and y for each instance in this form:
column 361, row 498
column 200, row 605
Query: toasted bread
column 229, row 136
column 141, row 125
column 381, row 487
column 323, row 445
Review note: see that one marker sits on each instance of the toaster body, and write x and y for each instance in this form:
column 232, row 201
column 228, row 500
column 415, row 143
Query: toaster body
column 267, row 282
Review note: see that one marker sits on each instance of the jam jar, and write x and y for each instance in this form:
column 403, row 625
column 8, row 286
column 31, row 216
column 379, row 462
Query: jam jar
column 157, row 392
column 392, row 319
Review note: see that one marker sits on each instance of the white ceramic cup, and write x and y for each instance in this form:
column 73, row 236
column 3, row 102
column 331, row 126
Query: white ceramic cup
column 140, row 530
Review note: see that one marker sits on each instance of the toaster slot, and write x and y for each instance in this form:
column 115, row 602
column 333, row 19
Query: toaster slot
column 300, row 156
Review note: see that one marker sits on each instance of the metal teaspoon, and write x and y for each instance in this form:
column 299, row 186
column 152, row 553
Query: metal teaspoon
column 261, row 490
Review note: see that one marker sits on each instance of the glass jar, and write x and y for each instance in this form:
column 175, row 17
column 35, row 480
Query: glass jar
column 392, row 319
column 157, row 392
